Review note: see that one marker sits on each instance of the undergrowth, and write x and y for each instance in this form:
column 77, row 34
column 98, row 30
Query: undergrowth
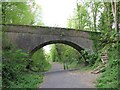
column 27, row 81
column 109, row 78
column 14, row 72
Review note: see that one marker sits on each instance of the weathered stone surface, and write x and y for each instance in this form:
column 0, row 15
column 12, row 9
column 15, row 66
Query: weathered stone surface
column 31, row 38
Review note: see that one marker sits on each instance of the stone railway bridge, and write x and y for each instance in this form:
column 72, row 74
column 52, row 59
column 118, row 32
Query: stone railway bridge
column 32, row 38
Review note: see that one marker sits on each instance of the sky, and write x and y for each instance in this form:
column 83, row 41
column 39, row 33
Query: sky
column 56, row 12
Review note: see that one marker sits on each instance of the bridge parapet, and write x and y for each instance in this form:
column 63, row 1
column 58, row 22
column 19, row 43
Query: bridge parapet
column 31, row 38
column 49, row 31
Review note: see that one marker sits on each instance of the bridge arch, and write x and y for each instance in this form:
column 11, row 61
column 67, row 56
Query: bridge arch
column 69, row 43
column 32, row 38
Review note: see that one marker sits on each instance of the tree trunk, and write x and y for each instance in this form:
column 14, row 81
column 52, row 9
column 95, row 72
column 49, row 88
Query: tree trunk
column 115, row 15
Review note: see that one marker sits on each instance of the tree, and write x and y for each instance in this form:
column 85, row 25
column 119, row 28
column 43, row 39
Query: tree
column 23, row 13
column 54, row 54
column 81, row 19
column 15, row 61
column 95, row 9
column 16, row 13
column 115, row 6
column 106, row 18
column 39, row 62
column 68, row 55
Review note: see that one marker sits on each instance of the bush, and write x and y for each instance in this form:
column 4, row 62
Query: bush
column 14, row 63
column 92, row 58
column 27, row 81
column 14, row 72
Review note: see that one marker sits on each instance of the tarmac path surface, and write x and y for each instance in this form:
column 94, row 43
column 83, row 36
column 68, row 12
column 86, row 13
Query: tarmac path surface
column 57, row 77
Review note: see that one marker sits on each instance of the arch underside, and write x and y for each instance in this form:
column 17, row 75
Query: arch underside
column 75, row 46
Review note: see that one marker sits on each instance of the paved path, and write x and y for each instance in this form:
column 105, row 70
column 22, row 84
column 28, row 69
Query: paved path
column 68, row 79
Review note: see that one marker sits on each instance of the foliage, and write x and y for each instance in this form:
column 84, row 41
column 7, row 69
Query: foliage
column 71, row 57
column 54, row 54
column 67, row 55
column 90, row 57
column 108, row 39
column 110, row 43
column 95, row 9
column 21, row 13
column 106, row 19
column 109, row 78
column 80, row 20
column 14, row 68
column 15, row 62
column 27, row 81
column 86, row 16
column 39, row 62
column 14, row 71
column 16, row 13
column 11, row 70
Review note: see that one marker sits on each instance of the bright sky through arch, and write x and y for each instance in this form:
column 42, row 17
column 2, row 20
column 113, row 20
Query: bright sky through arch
column 56, row 12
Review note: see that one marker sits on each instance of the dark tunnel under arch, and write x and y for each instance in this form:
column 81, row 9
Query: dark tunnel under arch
column 75, row 46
